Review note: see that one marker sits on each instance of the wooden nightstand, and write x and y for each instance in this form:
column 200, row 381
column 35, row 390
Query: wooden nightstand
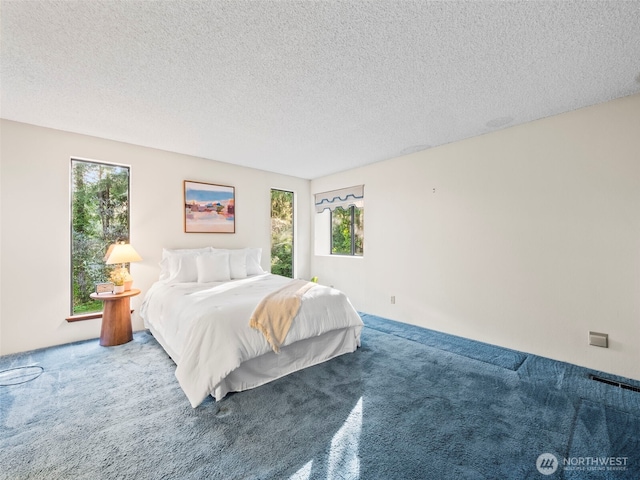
column 116, row 317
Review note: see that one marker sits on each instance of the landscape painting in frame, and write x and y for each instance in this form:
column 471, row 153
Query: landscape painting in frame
column 209, row 208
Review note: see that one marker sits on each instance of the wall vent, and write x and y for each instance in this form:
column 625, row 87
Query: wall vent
column 615, row 383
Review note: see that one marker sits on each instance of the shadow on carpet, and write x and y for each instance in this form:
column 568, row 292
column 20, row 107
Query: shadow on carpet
column 399, row 407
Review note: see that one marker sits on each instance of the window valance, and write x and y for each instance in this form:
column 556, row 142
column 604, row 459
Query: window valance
column 345, row 197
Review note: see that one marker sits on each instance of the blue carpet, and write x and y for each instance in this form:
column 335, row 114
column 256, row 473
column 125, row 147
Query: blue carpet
column 599, row 428
column 409, row 404
column 501, row 357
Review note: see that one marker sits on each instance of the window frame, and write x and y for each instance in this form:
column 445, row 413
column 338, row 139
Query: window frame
column 98, row 313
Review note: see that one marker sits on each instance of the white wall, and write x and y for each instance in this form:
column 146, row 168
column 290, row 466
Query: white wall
column 527, row 237
column 35, row 232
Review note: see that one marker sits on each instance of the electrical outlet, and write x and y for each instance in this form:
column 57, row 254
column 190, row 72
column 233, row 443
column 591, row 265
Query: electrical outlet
column 393, row 299
column 599, row 339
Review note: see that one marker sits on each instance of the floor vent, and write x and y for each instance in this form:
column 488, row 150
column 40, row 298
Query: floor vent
column 614, row 383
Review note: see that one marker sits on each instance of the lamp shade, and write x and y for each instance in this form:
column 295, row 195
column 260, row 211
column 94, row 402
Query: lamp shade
column 121, row 253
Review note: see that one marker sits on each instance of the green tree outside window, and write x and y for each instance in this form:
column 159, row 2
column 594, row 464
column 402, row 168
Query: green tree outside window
column 99, row 217
column 282, row 233
column 347, row 231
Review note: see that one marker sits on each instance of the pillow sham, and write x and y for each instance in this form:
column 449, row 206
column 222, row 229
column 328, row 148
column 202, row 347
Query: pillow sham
column 254, row 256
column 185, row 264
column 238, row 263
column 184, row 251
column 186, row 269
column 170, row 263
column 213, row 267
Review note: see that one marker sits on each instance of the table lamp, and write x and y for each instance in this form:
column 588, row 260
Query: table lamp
column 122, row 253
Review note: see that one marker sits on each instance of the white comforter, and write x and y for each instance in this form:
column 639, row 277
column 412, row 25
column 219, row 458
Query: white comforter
column 206, row 326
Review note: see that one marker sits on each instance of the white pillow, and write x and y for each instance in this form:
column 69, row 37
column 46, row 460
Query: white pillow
column 238, row 263
column 171, row 258
column 184, row 251
column 213, row 267
column 187, row 269
column 254, row 255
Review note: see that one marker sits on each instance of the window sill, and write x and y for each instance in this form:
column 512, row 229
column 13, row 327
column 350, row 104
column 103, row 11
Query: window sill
column 84, row 316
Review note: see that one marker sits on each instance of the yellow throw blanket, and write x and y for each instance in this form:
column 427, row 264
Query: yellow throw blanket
column 275, row 312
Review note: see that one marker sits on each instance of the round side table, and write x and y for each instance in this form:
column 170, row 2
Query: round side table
column 116, row 317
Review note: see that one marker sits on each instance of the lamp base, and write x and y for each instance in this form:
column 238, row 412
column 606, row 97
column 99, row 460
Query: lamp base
column 127, row 285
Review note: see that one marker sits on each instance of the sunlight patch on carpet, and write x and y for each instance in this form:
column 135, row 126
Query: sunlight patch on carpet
column 304, row 473
column 343, row 457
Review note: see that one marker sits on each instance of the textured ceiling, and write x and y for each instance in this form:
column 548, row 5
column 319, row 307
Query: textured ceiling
column 309, row 88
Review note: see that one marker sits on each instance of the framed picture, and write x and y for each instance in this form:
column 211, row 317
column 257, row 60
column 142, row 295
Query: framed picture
column 209, row 208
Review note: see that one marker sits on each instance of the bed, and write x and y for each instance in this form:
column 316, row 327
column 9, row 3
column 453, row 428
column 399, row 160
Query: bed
column 200, row 308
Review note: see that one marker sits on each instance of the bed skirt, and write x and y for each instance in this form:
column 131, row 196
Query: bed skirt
column 271, row 366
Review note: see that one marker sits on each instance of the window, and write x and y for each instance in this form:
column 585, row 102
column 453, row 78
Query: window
column 282, row 233
column 346, row 220
column 99, row 218
column 347, row 233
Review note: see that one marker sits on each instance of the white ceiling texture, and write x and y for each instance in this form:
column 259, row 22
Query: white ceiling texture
column 308, row 88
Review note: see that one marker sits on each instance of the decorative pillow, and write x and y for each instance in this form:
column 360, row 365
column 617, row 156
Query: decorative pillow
column 213, row 267
column 171, row 258
column 254, row 255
